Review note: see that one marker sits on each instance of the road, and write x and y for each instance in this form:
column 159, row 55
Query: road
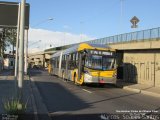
column 64, row 100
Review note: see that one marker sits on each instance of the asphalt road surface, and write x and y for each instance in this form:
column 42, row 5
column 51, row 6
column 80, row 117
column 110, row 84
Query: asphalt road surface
column 66, row 101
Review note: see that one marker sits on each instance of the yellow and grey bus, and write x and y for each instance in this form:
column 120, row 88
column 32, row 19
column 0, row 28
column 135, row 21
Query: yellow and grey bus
column 85, row 63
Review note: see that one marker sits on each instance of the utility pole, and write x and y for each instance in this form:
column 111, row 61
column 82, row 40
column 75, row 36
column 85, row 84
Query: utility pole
column 17, row 46
column 21, row 48
column 81, row 25
column 121, row 17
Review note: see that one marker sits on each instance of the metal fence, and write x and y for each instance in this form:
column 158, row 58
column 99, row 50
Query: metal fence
column 149, row 34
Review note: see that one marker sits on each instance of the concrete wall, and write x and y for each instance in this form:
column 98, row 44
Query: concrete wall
column 145, row 44
column 141, row 61
column 142, row 66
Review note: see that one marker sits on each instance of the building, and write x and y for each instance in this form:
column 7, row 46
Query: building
column 40, row 59
column 9, row 61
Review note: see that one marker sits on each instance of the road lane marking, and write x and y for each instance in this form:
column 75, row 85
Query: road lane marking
column 87, row 91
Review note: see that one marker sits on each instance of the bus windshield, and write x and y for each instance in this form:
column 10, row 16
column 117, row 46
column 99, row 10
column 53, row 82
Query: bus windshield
column 100, row 62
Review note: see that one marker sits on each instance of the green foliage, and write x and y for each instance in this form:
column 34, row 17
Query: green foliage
column 11, row 35
column 7, row 38
column 14, row 106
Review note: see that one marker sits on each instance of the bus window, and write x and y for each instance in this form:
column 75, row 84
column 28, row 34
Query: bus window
column 99, row 62
column 96, row 62
column 108, row 63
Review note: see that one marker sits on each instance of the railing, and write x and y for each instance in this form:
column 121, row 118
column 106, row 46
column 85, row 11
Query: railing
column 133, row 36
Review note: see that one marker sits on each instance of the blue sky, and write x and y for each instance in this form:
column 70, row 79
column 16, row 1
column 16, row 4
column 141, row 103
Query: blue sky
column 93, row 18
column 96, row 18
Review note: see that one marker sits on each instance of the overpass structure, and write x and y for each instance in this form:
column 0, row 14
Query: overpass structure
column 139, row 54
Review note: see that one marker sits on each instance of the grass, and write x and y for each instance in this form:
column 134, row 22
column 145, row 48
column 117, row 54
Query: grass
column 14, row 106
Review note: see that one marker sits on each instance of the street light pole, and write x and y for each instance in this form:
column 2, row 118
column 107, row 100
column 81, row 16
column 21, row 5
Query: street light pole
column 26, row 54
column 81, row 27
column 21, row 48
column 121, row 16
column 35, row 42
column 17, row 45
column 46, row 20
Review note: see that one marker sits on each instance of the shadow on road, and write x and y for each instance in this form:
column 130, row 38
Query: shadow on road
column 64, row 103
column 59, row 99
column 112, row 98
column 34, row 72
column 80, row 117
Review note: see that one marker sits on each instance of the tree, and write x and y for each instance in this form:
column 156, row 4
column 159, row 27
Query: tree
column 3, row 42
column 11, row 38
column 7, row 38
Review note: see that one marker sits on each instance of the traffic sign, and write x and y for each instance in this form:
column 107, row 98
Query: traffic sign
column 134, row 22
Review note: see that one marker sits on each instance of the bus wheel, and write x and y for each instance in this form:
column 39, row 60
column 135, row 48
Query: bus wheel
column 74, row 80
column 82, row 83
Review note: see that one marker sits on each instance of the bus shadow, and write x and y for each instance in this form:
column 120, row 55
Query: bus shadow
column 107, row 85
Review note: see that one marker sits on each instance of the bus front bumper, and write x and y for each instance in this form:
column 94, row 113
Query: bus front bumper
column 102, row 80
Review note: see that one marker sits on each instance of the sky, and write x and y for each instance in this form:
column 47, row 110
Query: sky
column 81, row 20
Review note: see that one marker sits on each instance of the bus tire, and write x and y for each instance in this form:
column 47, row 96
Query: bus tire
column 74, row 80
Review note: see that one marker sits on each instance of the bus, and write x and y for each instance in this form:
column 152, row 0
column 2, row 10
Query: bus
column 85, row 63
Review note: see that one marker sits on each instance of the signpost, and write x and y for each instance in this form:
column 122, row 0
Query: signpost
column 134, row 22
column 9, row 14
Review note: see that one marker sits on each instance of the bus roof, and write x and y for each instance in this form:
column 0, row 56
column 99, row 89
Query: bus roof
column 57, row 54
column 83, row 46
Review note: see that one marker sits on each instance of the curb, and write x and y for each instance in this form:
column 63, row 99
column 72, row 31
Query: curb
column 5, row 77
column 150, row 93
column 132, row 89
column 142, row 91
column 38, row 102
column 33, row 101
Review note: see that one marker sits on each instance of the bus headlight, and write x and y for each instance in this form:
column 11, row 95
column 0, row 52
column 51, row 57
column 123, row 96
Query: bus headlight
column 87, row 78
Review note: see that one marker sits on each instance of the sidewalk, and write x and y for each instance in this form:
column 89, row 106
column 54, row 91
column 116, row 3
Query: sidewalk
column 36, row 109
column 7, row 91
column 140, row 88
